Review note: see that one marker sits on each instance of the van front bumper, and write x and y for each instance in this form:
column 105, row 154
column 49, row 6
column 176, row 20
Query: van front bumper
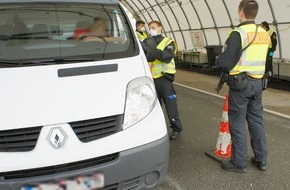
column 139, row 168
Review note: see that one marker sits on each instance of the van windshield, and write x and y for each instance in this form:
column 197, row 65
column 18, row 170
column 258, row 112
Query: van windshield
column 42, row 32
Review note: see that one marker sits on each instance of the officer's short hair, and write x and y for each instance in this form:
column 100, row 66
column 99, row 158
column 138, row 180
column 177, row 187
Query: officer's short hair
column 155, row 22
column 265, row 24
column 250, row 8
column 139, row 22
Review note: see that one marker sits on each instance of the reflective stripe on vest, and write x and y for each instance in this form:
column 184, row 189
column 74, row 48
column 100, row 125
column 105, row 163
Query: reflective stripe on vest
column 252, row 60
column 270, row 32
column 141, row 36
column 157, row 67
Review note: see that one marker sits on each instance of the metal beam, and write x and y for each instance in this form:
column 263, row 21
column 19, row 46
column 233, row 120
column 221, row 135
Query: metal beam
column 138, row 10
column 207, row 28
column 144, row 9
column 186, row 18
column 151, row 7
column 283, row 23
column 159, row 17
column 199, row 20
column 184, row 43
column 214, row 22
column 228, row 13
column 129, row 7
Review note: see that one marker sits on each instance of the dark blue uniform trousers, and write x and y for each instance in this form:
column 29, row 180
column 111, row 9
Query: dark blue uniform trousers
column 247, row 106
column 166, row 93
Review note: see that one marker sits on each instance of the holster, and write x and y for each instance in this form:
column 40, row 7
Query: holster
column 264, row 82
column 169, row 76
column 238, row 82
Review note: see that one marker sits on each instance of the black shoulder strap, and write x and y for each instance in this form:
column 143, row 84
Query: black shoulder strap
column 254, row 38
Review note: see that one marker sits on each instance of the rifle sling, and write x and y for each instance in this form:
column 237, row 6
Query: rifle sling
column 254, row 38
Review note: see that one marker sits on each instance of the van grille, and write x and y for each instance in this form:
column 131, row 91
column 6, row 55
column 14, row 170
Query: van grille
column 19, row 140
column 132, row 184
column 93, row 129
column 25, row 139
column 58, row 169
column 111, row 187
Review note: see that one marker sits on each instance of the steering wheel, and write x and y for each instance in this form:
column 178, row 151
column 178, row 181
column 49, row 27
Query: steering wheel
column 93, row 35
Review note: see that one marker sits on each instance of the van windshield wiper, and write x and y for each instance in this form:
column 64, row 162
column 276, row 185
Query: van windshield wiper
column 5, row 62
column 58, row 60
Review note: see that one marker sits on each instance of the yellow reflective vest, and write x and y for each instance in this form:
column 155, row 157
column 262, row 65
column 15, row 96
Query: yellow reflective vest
column 157, row 67
column 253, row 59
column 270, row 32
column 141, row 36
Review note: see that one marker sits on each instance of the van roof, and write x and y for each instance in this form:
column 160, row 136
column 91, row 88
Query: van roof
column 61, row 1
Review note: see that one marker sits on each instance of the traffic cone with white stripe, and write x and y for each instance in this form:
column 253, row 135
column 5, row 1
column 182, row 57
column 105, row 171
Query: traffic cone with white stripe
column 223, row 149
column 224, row 145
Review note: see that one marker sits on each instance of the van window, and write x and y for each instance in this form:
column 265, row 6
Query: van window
column 40, row 33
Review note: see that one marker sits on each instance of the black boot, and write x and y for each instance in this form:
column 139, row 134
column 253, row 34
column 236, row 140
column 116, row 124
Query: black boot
column 260, row 165
column 229, row 166
column 174, row 135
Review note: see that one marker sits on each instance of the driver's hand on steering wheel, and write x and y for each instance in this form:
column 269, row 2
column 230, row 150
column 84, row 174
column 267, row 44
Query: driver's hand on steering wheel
column 92, row 39
column 115, row 39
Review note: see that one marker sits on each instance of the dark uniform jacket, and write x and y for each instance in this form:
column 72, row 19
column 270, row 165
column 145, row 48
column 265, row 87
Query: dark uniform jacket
column 149, row 47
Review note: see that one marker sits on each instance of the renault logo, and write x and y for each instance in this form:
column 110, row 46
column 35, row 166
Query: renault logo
column 57, row 137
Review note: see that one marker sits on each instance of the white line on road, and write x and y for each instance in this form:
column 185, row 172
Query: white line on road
column 219, row 96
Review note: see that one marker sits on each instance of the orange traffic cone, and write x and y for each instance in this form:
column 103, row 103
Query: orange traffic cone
column 223, row 146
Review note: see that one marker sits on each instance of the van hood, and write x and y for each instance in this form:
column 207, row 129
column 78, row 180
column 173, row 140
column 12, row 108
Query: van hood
column 54, row 94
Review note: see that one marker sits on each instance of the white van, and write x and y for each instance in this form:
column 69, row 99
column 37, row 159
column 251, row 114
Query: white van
column 78, row 108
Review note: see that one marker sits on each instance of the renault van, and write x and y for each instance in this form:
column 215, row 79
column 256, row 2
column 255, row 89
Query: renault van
column 78, row 107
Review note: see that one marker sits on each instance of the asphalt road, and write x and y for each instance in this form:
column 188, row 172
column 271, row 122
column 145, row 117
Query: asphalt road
column 191, row 169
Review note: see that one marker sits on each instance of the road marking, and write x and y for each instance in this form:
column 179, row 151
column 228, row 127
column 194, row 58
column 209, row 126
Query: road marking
column 199, row 90
column 222, row 97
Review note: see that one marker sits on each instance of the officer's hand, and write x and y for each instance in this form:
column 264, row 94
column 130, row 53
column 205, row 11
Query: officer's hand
column 271, row 54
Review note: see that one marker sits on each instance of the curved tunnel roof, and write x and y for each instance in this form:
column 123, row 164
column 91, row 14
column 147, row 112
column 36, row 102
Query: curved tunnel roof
column 213, row 19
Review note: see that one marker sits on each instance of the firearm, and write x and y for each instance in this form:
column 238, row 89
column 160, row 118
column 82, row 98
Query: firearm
column 223, row 79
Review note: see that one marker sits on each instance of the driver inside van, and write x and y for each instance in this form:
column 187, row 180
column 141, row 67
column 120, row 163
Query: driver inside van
column 99, row 33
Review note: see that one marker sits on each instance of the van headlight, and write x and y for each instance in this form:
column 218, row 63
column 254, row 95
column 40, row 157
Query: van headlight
column 140, row 100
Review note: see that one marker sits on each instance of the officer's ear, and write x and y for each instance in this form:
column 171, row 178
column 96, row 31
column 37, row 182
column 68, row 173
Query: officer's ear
column 242, row 15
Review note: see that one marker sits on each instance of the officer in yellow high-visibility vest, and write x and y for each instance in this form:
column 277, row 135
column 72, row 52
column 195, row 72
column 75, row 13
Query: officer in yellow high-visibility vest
column 163, row 72
column 271, row 50
column 244, row 59
column 141, row 30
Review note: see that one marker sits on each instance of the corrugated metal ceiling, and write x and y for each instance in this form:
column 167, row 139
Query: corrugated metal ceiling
column 215, row 18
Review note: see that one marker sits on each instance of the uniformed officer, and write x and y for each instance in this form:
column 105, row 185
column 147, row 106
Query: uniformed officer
column 141, row 30
column 244, row 58
column 271, row 50
column 163, row 72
